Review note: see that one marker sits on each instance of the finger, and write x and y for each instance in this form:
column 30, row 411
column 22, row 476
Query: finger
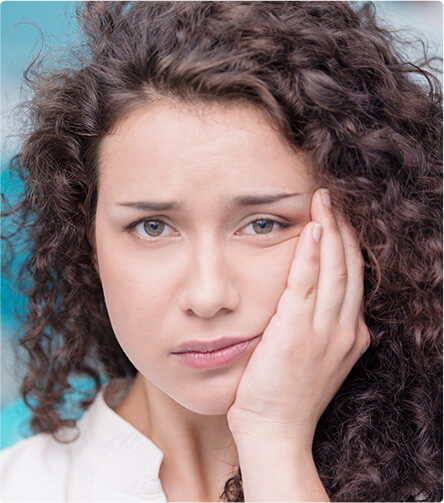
column 333, row 269
column 354, row 291
column 297, row 303
column 363, row 340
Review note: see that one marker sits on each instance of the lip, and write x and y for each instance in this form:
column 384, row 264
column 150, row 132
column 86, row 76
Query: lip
column 219, row 357
column 206, row 346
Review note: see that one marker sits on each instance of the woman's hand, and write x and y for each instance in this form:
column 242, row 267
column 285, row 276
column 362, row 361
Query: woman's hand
column 313, row 340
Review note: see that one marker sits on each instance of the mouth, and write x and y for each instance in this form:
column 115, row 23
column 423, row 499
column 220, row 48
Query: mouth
column 201, row 346
column 216, row 358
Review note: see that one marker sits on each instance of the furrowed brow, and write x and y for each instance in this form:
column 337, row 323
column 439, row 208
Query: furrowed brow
column 244, row 200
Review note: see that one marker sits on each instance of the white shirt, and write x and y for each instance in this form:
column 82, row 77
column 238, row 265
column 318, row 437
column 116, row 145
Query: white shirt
column 109, row 461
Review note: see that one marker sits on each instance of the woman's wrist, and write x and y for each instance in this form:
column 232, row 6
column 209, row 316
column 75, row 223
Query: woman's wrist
column 278, row 470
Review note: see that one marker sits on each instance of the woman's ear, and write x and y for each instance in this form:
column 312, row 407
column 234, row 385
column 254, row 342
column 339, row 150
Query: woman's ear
column 93, row 248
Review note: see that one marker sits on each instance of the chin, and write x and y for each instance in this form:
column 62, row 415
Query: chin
column 216, row 406
column 207, row 399
column 209, row 410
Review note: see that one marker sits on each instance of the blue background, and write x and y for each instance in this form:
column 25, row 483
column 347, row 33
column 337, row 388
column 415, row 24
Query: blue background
column 22, row 27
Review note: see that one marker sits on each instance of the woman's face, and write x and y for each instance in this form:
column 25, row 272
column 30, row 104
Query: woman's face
column 204, row 264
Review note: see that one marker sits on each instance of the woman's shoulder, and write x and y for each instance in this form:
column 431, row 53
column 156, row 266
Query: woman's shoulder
column 103, row 459
column 34, row 467
column 43, row 447
column 43, row 466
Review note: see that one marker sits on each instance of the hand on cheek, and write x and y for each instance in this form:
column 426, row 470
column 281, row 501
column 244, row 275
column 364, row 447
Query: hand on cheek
column 312, row 341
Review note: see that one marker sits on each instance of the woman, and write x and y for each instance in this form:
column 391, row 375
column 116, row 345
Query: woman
column 184, row 244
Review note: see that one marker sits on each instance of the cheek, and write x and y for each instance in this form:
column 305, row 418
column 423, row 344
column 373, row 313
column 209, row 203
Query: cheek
column 141, row 288
column 137, row 294
column 265, row 274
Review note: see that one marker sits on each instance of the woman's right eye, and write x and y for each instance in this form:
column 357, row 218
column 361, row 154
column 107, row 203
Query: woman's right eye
column 151, row 228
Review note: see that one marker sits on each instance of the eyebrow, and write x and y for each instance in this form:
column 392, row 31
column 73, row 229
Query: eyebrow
column 247, row 200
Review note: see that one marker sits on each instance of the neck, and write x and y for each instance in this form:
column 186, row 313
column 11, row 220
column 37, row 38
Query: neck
column 199, row 450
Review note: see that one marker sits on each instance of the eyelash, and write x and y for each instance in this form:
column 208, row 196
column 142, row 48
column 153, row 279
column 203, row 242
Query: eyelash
column 133, row 225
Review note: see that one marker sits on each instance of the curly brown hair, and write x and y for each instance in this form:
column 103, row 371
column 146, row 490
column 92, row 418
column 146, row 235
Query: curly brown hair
column 338, row 87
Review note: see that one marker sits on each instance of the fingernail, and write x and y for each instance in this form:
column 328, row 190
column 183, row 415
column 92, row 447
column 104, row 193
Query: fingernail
column 317, row 229
column 326, row 197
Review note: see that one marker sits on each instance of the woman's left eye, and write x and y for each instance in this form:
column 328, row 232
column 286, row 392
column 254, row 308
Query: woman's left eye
column 264, row 226
column 154, row 228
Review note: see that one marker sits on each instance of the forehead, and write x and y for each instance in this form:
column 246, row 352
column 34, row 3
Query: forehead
column 174, row 149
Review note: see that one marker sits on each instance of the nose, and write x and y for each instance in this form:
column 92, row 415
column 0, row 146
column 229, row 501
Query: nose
column 208, row 286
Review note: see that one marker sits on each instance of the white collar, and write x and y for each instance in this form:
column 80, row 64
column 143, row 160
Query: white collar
column 127, row 463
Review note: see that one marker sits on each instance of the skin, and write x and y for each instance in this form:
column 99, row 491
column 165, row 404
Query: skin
column 320, row 325
column 211, row 274
column 322, row 333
